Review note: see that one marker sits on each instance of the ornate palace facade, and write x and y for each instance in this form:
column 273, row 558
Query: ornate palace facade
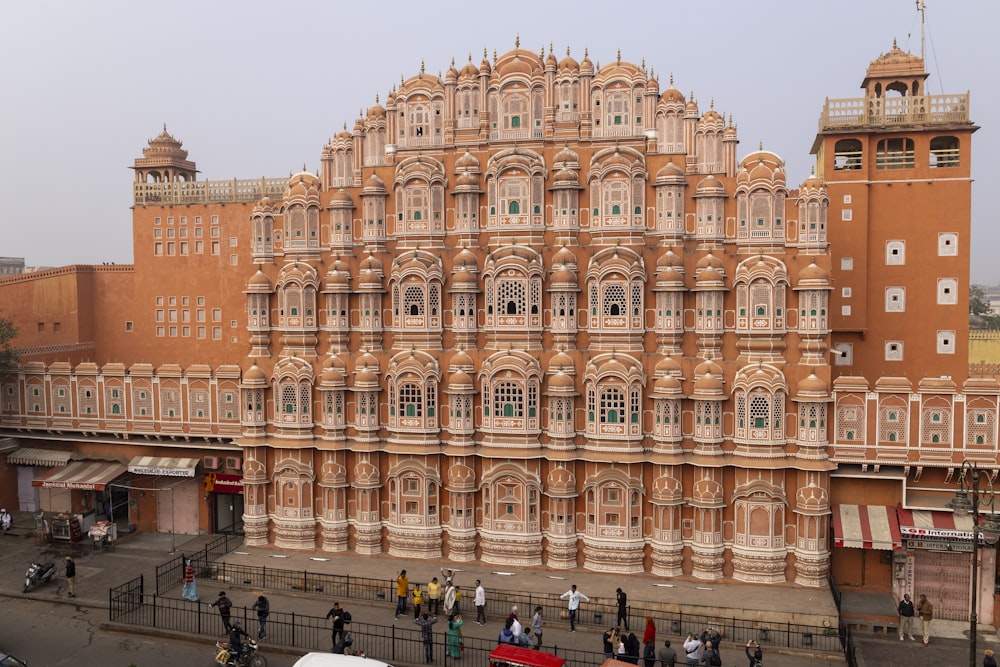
column 538, row 312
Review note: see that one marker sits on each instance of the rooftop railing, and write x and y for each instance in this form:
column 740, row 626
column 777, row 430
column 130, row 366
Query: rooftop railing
column 208, row 192
column 892, row 111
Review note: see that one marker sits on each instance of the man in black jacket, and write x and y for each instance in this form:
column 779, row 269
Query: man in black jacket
column 340, row 617
column 225, row 606
column 71, row 576
column 905, row 617
column 622, row 621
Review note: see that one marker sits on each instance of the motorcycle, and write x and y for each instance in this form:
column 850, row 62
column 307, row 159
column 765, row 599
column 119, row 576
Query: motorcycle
column 248, row 657
column 37, row 574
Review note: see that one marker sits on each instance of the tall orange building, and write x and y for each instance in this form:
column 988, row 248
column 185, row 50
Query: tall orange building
column 537, row 312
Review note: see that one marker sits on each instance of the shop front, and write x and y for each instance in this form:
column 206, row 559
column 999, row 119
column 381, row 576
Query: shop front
column 74, row 489
column 937, row 562
column 865, row 537
column 31, row 463
column 171, row 481
column 224, row 494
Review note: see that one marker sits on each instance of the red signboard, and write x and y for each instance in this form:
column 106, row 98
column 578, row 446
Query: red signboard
column 219, row 483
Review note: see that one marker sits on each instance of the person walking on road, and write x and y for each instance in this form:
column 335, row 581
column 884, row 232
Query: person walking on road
column 263, row 608
column 667, row 655
column 574, row 596
column 225, row 606
column 905, row 617
column 480, row 602
column 455, row 624
column 71, row 576
column 340, row 618
column 622, row 621
column 926, row 611
column 988, row 659
column 536, row 626
column 402, row 591
column 427, row 634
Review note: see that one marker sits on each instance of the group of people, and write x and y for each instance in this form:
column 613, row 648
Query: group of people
column 907, row 611
column 518, row 634
column 438, row 597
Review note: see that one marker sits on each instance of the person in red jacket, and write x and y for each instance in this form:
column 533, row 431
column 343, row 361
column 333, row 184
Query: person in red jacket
column 649, row 641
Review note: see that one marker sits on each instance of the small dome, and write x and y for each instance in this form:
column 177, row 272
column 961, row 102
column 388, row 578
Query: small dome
column 813, row 274
column 335, row 279
column 365, row 379
column 254, row 374
column 341, row 196
column 586, row 66
column 563, row 276
column 709, row 275
column 332, row 377
column 672, row 95
column 374, row 183
column 667, row 366
column 566, row 154
column 667, row 384
column 376, row 111
column 369, row 278
column 561, row 362
column 812, row 385
column 451, row 76
column 564, row 256
column 710, row 186
column 461, row 360
column 568, row 64
column 466, row 258
column 259, row 280
column 561, row 381
column 670, row 174
column 669, row 260
column 467, row 180
column 467, row 161
column 709, row 260
column 708, row 385
column 669, row 276
column 464, row 278
column 566, row 176
column 370, row 263
column 469, row 73
column 460, row 380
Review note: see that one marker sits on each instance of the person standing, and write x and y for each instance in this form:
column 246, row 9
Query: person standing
column 574, row 596
column 418, row 600
column 515, row 625
column 905, row 617
column 434, row 597
column 536, row 626
column 455, row 624
column 225, row 606
column 6, row 521
column 710, row 656
column 190, row 590
column 692, row 650
column 340, row 618
column 649, row 636
column 402, row 591
column 427, row 634
column 667, row 655
column 608, row 639
column 622, row 621
column 988, row 659
column 755, row 654
column 71, row 576
column 480, row 602
column 263, row 608
column 926, row 611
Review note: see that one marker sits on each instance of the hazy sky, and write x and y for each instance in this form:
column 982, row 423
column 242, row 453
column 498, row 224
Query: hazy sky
column 256, row 88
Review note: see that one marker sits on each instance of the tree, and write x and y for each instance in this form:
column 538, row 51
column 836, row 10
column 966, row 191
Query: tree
column 8, row 332
column 979, row 303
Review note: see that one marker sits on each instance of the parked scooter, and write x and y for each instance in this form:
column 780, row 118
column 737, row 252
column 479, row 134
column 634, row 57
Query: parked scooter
column 38, row 573
column 248, row 657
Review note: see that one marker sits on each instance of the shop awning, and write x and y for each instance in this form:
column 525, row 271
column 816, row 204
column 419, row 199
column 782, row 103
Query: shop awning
column 84, row 475
column 866, row 527
column 31, row 456
column 8, row 445
column 919, row 524
column 163, row 465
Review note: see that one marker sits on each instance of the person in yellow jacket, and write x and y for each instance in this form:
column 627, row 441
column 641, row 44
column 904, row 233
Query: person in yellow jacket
column 402, row 592
column 418, row 599
column 434, row 596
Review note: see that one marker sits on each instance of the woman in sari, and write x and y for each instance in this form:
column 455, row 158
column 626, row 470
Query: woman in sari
column 455, row 624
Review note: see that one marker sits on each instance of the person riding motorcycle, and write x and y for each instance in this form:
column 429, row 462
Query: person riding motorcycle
column 236, row 634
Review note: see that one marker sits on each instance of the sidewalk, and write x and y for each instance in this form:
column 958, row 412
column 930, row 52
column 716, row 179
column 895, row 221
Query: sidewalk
column 139, row 554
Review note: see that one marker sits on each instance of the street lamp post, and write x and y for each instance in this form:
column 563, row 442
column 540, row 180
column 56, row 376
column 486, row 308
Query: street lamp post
column 969, row 479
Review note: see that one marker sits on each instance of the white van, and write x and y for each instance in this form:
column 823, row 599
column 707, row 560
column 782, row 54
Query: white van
column 337, row 660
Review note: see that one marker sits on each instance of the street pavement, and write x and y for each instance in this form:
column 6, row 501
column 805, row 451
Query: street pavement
column 140, row 554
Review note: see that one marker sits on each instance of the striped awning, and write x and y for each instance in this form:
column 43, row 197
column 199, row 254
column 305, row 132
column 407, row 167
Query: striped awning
column 163, row 465
column 923, row 524
column 84, row 475
column 30, row 456
column 866, row 527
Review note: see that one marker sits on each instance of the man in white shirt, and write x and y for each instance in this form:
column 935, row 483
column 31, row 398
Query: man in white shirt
column 515, row 627
column 480, row 601
column 574, row 597
column 692, row 650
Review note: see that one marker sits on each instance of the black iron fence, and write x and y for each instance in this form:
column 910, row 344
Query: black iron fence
column 599, row 613
column 309, row 633
column 171, row 573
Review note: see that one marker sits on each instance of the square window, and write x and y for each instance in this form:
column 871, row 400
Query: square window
column 843, row 354
column 894, row 350
column 129, row 326
column 41, row 327
column 845, row 292
column 847, row 199
column 946, row 342
column 846, row 215
column 845, row 310
column 846, row 263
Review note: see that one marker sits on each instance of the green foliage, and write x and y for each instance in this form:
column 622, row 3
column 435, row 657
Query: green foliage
column 8, row 332
column 978, row 303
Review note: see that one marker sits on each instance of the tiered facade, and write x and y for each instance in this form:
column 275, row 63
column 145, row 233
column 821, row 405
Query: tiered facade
column 538, row 312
